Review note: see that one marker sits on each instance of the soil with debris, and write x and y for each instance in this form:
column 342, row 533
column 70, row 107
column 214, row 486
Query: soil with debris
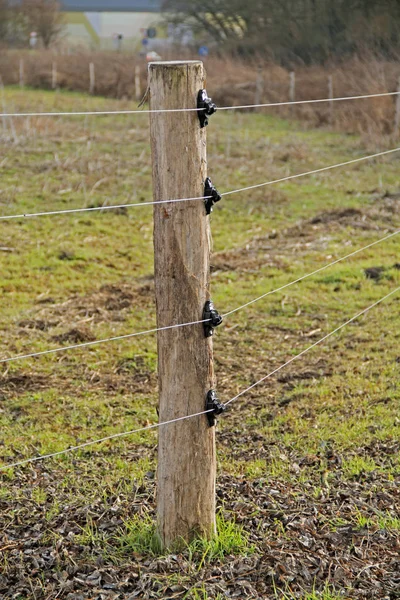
column 300, row 541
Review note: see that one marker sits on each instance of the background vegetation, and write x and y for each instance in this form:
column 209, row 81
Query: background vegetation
column 305, row 31
column 21, row 17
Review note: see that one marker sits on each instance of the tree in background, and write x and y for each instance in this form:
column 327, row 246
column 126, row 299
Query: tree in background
column 44, row 17
column 289, row 30
column 4, row 20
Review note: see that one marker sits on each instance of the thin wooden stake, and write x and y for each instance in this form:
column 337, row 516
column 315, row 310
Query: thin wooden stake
column 92, row 80
column 397, row 115
column 138, row 90
column 21, row 73
column 330, row 96
column 186, row 449
column 7, row 121
column 54, row 76
column 259, row 87
column 292, row 86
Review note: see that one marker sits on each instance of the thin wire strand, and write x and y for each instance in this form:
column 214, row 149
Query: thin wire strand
column 342, row 164
column 157, row 425
column 314, row 101
column 178, row 110
column 224, row 315
column 245, row 189
column 331, row 264
column 328, row 335
column 104, row 439
column 95, row 342
column 97, row 208
column 93, row 113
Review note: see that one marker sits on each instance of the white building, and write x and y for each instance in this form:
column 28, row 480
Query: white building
column 98, row 22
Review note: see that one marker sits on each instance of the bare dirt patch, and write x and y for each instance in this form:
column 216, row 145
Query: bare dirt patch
column 104, row 304
column 336, row 215
column 18, row 383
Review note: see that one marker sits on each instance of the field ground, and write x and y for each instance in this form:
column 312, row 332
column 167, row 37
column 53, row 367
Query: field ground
column 308, row 462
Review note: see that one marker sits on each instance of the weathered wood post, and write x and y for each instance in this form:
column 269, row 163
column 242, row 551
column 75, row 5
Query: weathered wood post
column 54, row 75
column 138, row 91
column 330, row 96
column 186, row 449
column 397, row 114
column 259, row 86
column 292, row 86
column 21, row 73
column 92, row 80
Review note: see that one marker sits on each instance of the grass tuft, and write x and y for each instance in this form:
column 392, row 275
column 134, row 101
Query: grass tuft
column 326, row 594
column 139, row 535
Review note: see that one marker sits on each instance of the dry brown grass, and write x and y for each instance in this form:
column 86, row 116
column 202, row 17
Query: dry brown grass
column 232, row 82
column 115, row 73
column 354, row 77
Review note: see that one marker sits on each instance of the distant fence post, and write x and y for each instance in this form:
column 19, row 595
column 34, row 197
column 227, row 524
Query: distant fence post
column 186, row 449
column 138, row 91
column 292, row 86
column 54, row 75
column 259, row 87
column 397, row 115
column 330, row 96
column 21, row 73
column 92, row 79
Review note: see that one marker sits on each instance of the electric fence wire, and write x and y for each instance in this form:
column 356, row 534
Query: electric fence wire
column 224, row 315
column 123, row 434
column 244, row 189
column 95, row 342
column 183, row 418
column 97, row 208
column 325, row 337
column 178, row 110
column 319, row 270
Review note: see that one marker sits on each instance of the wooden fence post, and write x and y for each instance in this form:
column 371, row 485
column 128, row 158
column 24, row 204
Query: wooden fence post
column 330, row 96
column 292, row 86
column 259, row 87
column 186, row 449
column 53, row 75
column 397, row 115
column 92, row 80
column 21, row 73
column 138, row 91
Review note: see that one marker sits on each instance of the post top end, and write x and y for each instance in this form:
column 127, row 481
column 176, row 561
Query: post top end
column 174, row 63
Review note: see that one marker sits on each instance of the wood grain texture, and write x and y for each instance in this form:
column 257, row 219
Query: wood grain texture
column 186, row 450
column 397, row 112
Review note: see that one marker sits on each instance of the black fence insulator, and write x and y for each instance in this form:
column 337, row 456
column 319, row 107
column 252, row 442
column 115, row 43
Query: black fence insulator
column 211, row 318
column 213, row 404
column 211, row 195
column 206, row 107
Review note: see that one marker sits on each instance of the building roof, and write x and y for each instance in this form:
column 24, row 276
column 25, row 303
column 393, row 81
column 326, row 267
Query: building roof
column 111, row 5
